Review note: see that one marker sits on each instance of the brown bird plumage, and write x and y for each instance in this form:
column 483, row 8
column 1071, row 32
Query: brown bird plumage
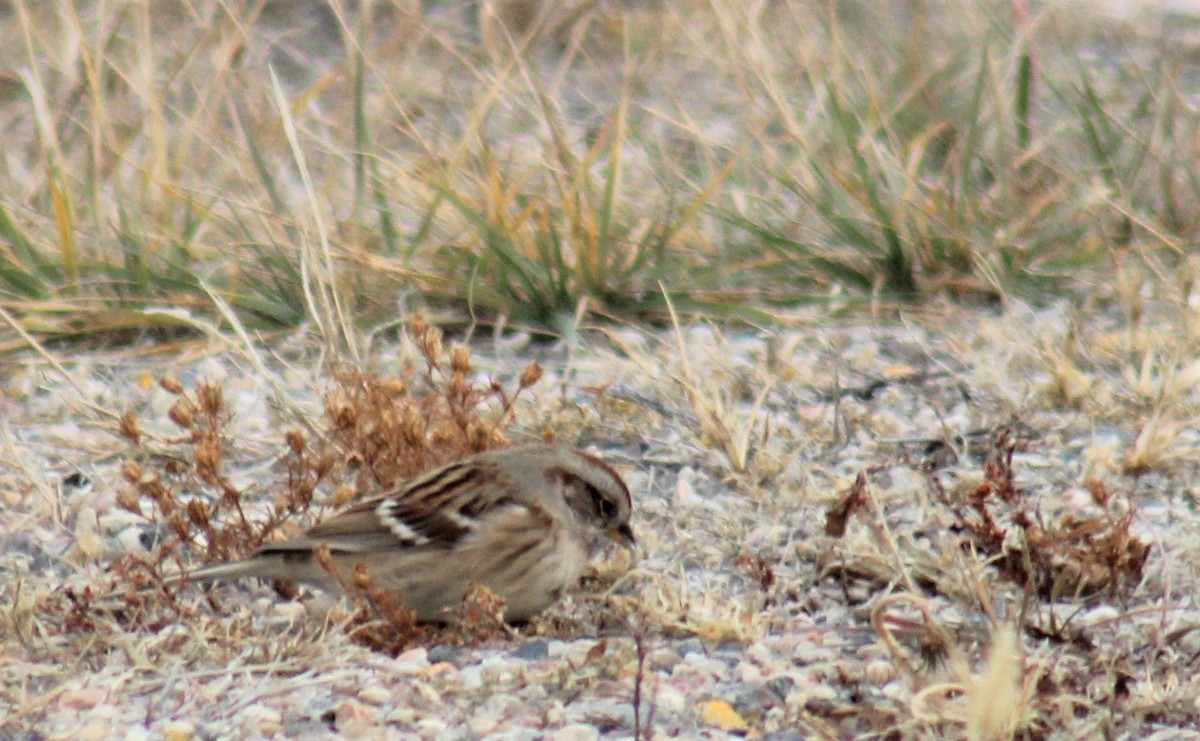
column 522, row 522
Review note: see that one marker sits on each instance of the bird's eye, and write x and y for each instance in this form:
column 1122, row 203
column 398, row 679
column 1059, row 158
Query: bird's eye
column 604, row 507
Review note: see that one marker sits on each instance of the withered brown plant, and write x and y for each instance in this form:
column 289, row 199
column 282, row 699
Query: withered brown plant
column 390, row 429
column 381, row 432
column 1057, row 555
column 189, row 491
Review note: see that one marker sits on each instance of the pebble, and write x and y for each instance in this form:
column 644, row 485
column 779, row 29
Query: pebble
column 352, row 713
column 662, row 658
column 84, row 698
column 136, row 733
column 879, row 671
column 444, row 653
column 532, row 651
column 668, row 701
column 780, row 685
column 720, row 714
column 412, row 661
column 748, row 699
column 483, row 722
column 689, row 646
column 374, row 695
column 576, row 652
column 695, row 664
column 262, row 719
column 606, row 712
column 116, row 520
column 179, row 730
column 749, row 673
column 431, row 726
column 471, row 677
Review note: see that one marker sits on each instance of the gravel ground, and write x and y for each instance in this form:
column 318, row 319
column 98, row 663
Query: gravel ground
column 748, row 616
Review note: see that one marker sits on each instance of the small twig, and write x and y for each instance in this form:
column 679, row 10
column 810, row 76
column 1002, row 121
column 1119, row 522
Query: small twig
column 641, row 731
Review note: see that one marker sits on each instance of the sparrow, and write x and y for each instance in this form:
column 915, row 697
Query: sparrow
column 522, row 521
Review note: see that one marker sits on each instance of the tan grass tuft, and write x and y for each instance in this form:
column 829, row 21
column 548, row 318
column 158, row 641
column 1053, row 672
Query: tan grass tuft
column 997, row 699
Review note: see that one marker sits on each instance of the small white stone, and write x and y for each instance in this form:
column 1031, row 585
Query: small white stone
column 174, row 730
column 879, row 671
column 471, row 677
column 668, row 701
column 262, row 718
column 287, row 612
column 482, row 723
column 83, row 698
column 685, row 493
column 136, row 733
column 749, row 673
column 115, row 520
column 759, row 652
column 412, row 661
column 431, row 726
column 374, row 695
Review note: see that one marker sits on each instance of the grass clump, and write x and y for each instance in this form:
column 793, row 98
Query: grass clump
column 293, row 151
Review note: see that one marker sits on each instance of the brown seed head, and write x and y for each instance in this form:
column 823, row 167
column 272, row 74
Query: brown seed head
column 362, row 579
column 211, row 396
column 208, row 457
column 412, row 426
column 198, row 512
column 129, row 428
column 342, row 496
column 456, row 388
column 131, row 471
column 181, row 414
column 324, row 464
column 419, row 324
column 295, row 440
column 128, row 501
column 179, row 525
column 303, row 494
column 460, row 359
column 431, row 344
column 531, row 374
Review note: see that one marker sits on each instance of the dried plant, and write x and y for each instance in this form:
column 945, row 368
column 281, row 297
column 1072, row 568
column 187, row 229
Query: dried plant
column 1053, row 556
column 390, row 429
column 383, row 430
column 188, row 496
column 380, row 620
column 1057, row 557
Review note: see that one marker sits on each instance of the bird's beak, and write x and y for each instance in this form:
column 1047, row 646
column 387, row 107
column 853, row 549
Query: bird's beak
column 623, row 534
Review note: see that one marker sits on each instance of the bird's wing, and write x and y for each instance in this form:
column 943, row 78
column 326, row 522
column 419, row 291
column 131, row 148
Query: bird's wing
column 434, row 510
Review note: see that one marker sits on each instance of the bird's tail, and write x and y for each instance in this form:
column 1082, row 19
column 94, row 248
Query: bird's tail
column 118, row 599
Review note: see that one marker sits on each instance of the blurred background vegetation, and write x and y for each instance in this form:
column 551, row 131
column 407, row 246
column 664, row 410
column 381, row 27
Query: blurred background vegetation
column 174, row 163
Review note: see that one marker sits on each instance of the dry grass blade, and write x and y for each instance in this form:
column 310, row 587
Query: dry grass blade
column 319, row 273
column 732, row 432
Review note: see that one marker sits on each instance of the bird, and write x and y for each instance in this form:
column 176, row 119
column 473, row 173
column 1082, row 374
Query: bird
column 522, row 521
